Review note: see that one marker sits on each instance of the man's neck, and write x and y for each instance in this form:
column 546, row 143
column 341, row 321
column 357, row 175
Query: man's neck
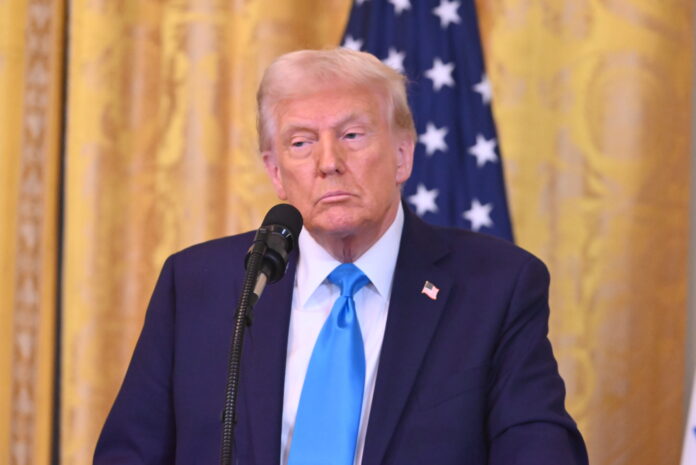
column 349, row 248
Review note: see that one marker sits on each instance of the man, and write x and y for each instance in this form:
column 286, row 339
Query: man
column 452, row 364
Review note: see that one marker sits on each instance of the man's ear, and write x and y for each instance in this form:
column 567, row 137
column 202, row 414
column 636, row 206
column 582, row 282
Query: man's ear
column 273, row 170
column 404, row 158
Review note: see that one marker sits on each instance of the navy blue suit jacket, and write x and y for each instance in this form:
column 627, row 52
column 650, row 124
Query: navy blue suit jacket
column 468, row 378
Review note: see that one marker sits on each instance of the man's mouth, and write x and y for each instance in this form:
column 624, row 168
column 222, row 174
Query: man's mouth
column 334, row 196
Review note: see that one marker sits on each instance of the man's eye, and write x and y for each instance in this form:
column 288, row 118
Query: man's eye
column 299, row 143
column 352, row 135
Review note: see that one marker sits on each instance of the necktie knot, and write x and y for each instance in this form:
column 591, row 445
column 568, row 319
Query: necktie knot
column 349, row 278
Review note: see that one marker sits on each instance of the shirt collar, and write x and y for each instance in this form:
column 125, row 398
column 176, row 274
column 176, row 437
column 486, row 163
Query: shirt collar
column 378, row 262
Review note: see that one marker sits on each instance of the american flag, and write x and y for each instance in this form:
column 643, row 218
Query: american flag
column 457, row 175
column 430, row 290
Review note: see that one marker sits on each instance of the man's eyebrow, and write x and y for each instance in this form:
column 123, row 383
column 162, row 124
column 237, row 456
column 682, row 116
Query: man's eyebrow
column 295, row 127
column 355, row 117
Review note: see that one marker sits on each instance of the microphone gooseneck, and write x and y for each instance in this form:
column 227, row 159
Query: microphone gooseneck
column 265, row 262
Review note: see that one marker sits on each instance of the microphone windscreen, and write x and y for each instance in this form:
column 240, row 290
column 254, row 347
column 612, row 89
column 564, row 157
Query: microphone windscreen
column 286, row 215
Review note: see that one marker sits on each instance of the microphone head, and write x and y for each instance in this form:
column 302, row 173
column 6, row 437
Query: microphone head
column 285, row 215
column 275, row 239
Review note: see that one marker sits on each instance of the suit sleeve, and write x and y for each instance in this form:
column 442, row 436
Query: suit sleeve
column 528, row 422
column 140, row 427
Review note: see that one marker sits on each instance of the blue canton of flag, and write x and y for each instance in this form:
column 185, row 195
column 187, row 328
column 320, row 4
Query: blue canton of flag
column 457, row 175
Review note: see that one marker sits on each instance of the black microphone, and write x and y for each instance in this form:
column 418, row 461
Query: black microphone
column 273, row 242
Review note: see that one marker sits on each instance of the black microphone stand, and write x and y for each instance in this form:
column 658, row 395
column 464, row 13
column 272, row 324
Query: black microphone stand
column 266, row 261
column 251, row 290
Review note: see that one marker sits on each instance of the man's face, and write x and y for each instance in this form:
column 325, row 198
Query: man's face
column 337, row 159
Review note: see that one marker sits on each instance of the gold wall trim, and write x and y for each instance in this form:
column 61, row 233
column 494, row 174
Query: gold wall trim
column 34, row 303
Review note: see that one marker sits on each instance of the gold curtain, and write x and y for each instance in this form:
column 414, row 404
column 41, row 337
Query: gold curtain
column 593, row 104
column 592, row 101
column 161, row 155
column 31, row 57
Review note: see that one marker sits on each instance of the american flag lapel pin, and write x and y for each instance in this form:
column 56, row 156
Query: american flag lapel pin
column 430, row 290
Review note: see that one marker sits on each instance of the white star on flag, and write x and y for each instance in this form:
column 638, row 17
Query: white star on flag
column 433, row 139
column 400, row 5
column 424, row 200
column 360, row 2
column 484, row 88
column 483, row 150
column 395, row 59
column 440, row 74
column 447, row 11
column 352, row 44
column 479, row 215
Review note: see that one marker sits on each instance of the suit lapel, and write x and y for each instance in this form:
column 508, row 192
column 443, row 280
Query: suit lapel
column 411, row 323
column 264, row 376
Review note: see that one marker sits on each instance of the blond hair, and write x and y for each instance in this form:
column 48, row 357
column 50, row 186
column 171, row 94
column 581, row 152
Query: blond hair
column 292, row 74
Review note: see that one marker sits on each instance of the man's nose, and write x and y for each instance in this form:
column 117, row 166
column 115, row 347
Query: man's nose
column 331, row 157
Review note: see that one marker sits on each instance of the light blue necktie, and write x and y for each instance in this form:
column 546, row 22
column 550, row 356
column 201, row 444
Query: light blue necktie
column 328, row 416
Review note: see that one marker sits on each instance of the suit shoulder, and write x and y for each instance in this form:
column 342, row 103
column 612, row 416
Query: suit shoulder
column 220, row 250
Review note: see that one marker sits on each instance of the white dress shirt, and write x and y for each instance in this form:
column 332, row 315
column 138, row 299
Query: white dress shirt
column 312, row 299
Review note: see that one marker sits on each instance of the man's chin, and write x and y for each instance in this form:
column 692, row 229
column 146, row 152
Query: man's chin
column 335, row 225
column 334, row 231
